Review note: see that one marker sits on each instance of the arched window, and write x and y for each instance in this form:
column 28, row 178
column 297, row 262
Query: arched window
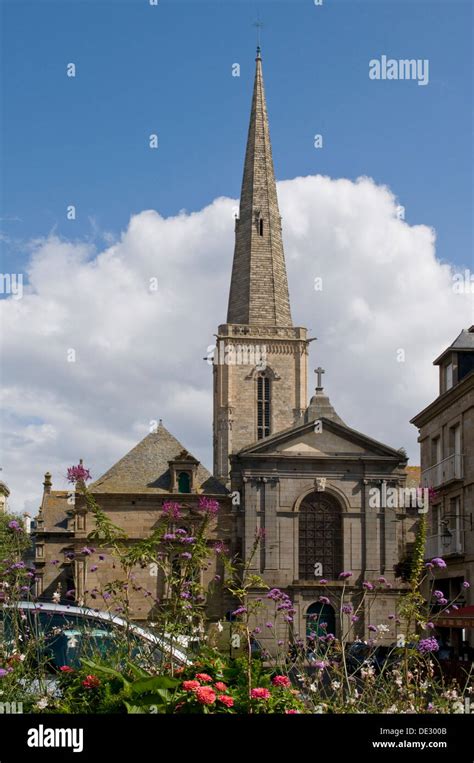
column 263, row 406
column 184, row 482
column 320, row 620
column 320, row 536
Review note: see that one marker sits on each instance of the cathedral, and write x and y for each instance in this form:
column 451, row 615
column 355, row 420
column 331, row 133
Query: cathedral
column 290, row 470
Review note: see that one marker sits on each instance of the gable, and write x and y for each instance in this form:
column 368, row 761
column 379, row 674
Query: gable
column 334, row 440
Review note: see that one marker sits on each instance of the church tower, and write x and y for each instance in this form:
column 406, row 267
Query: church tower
column 260, row 362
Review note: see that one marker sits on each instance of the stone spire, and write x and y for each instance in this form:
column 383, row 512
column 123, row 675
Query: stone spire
column 259, row 287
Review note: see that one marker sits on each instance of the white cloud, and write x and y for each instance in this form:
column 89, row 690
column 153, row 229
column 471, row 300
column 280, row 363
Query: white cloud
column 139, row 353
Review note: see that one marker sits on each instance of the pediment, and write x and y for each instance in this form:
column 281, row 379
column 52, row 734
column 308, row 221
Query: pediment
column 326, row 439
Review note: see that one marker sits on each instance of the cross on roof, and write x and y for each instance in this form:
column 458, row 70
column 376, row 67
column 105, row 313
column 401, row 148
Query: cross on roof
column 319, row 373
column 259, row 25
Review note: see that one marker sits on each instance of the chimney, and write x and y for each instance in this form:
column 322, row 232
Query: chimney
column 47, row 482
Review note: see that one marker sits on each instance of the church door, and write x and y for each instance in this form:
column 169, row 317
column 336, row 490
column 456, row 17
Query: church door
column 320, row 537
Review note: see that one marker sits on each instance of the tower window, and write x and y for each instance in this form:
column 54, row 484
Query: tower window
column 263, row 406
column 260, row 227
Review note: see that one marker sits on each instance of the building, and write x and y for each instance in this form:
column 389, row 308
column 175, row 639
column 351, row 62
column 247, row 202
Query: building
column 132, row 494
column 4, row 494
column 446, row 440
column 301, row 474
column 291, row 469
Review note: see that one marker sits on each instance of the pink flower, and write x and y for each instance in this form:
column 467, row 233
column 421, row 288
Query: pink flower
column 206, row 695
column 345, row 575
column 208, row 505
column 259, row 693
column 203, row 677
column 91, row 682
column 78, row 473
column 225, row 699
column 291, row 712
column 172, row 510
column 281, row 681
column 220, row 686
column 191, row 685
column 66, row 669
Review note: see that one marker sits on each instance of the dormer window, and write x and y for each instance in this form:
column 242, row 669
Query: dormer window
column 184, row 482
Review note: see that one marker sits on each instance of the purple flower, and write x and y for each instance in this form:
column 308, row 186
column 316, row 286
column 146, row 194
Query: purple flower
column 169, row 536
column 320, row 665
column 186, row 555
column 94, row 568
column 288, row 619
column 324, row 600
column 438, row 562
column 455, row 606
column 101, row 557
column 239, row 611
column 438, row 594
column 381, row 580
column 367, row 585
column 70, row 594
column 185, row 595
column 442, row 601
column 323, row 581
column 78, row 473
column 466, row 584
column 257, row 630
column 280, row 643
column 345, row 575
column 208, row 505
column 3, row 672
column 87, row 551
column 372, row 628
column 430, row 625
column 429, row 566
column 427, row 645
column 189, row 540
column 347, row 609
column 354, row 618
column 14, row 525
column 172, row 510
column 269, row 625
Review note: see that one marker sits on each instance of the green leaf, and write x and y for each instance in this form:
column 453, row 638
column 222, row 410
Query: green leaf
column 103, row 669
column 153, row 684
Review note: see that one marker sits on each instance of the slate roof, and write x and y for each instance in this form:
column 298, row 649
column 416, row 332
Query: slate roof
column 464, row 341
column 54, row 510
column 145, row 468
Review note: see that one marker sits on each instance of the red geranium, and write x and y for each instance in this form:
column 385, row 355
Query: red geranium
column 91, row 682
column 191, row 685
column 206, row 695
column 226, row 700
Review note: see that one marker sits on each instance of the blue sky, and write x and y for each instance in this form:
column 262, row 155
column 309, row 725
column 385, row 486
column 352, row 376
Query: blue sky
column 167, row 69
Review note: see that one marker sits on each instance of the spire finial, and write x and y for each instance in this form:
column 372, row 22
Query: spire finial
column 319, row 373
column 259, row 25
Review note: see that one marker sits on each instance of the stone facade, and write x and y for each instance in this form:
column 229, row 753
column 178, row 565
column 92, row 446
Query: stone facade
column 132, row 494
column 446, row 440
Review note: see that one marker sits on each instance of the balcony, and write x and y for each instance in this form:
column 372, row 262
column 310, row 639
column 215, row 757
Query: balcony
column 442, row 545
column 447, row 470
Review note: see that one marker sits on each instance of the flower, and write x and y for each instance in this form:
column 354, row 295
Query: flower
column 78, row 473
column 101, row 557
column 281, row 681
column 260, row 693
column 320, row 665
column 42, row 703
column 203, row 677
column 427, row 645
column 3, row 672
column 169, row 536
column 438, row 562
column 14, row 525
column 206, row 695
column 172, row 510
column 186, row 555
column 91, row 682
column 209, row 506
column 354, row 618
column 220, row 686
column 191, row 685
column 347, row 609
column 438, row 594
column 372, row 628
column 86, row 551
column 56, row 597
column 466, row 584
column 291, row 712
column 323, row 581
column 324, row 600
column 381, row 580
column 257, row 630
column 368, row 585
column 345, row 575
column 66, row 669
column 239, row 611
column 225, row 699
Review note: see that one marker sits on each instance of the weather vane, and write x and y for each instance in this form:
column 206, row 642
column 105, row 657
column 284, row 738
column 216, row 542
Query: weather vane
column 259, row 25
